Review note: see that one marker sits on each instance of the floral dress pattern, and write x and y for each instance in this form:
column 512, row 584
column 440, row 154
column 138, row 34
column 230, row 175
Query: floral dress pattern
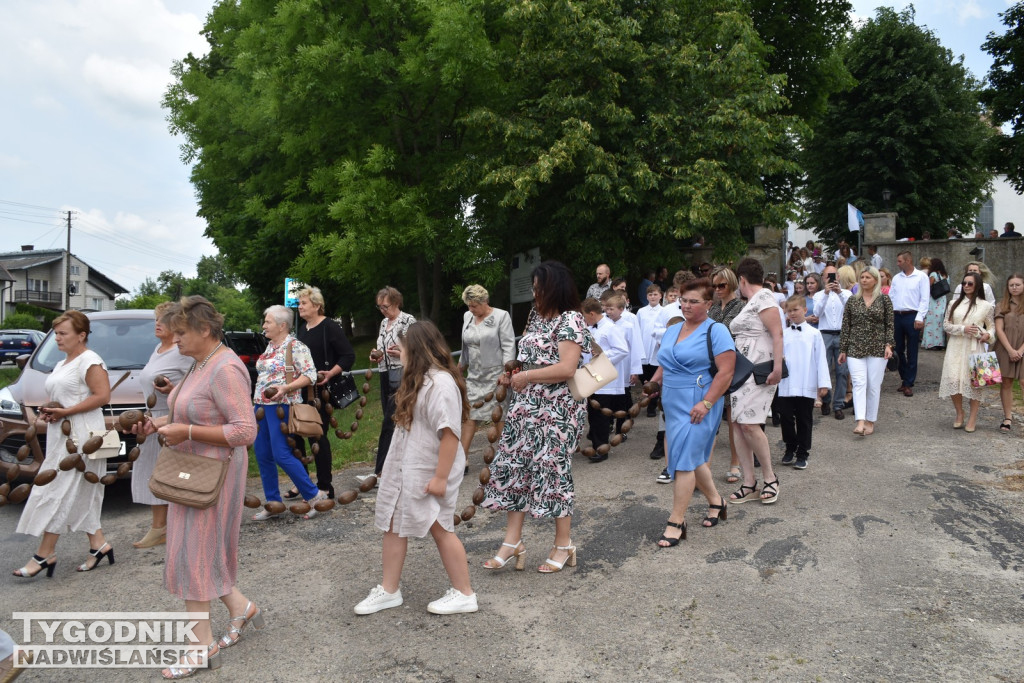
column 750, row 403
column 933, row 336
column 532, row 470
column 271, row 369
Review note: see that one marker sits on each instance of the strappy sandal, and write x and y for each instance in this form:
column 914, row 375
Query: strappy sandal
column 184, row 671
column 673, row 542
column 552, row 566
column 773, row 494
column 1006, row 427
column 42, row 562
column 734, row 475
column 738, row 497
column 292, row 494
column 518, row 554
column 710, row 521
column 235, row 634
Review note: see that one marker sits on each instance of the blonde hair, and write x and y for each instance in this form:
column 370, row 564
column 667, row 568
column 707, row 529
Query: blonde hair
column 847, row 277
column 873, row 272
column 987, row 276
column 195, row 313
column 161, row 309
column 315, row 296
column 475, row 294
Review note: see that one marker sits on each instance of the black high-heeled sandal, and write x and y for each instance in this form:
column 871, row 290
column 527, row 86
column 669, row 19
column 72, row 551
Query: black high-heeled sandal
column 673, row 542
column 721, row 515
column 741, row 497
column 1007, row 426
column 43, row 564
column 99, row 555
column 293, row 493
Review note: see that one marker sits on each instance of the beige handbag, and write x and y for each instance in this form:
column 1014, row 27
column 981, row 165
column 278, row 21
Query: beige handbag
column 593, row 375
column 303, row 418
column 110, row 448
column 187, row 478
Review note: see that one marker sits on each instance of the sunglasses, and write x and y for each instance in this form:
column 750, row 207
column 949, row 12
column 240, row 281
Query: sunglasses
column 967, row 282
column 720, row 285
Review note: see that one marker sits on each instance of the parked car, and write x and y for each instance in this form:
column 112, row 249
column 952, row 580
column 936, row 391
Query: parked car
column 14, row 343
column 123, row 339
column 249, row 346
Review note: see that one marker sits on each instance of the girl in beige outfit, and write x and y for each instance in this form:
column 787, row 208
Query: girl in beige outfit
column 970, row 324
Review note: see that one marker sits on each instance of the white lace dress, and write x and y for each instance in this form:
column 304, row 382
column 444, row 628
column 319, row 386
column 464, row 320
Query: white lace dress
column 956, row 369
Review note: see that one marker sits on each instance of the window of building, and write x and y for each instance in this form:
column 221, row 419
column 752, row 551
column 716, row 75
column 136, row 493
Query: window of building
column 986, row 217
column 97, row 304
column 76, row 287
column 38, row 285
column 74, row 270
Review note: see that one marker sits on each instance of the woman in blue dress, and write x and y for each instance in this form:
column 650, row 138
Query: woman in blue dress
column 693, row 404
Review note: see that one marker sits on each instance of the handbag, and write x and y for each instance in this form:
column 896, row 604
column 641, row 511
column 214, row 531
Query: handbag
column 940, row 288
column 742, row 370
column 593, row 375
column 984, row 369
column 187, row 478
column 342, row 388
column 303, row 418
column 110, row 448
column 760, row 371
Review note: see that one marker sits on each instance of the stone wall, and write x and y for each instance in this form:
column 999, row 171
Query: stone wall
column 1002, row 256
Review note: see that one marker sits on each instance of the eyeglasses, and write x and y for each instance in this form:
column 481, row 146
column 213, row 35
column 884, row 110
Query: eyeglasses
column 692, row 302
column 383, row 307
column 720, row 285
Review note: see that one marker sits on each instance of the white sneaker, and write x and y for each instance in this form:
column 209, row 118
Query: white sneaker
column 320, row 495
column 453, row 602
column 263, row 515
column 379, row 599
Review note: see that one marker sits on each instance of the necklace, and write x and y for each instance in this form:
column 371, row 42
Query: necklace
column 203, row 364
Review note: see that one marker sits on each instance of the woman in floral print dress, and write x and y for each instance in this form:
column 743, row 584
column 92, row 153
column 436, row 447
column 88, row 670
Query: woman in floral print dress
column 532, row 470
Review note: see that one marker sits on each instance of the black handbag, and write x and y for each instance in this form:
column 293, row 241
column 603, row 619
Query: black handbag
column 343, row 391
column 940, row 289
column 742, row 371
column 763, row 369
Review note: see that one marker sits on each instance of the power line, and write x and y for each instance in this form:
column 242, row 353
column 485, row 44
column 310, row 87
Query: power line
column 24, row 220
column 112, row 237
column 29, row 206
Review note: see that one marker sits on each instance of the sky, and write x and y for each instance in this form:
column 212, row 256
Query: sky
column 82, row 82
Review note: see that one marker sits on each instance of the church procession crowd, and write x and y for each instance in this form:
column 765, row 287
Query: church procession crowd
column 713, row 348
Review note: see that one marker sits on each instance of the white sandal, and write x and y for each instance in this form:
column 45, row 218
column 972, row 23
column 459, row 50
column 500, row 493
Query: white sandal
column 552, row 566
column 518, row 553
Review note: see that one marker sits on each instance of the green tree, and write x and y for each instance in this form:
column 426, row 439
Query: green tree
column 1005, row 94
column 912, row 125
column 21, row 321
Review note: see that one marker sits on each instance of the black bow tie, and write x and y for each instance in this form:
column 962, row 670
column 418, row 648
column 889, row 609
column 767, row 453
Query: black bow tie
column 795, row 327
column 594, row 326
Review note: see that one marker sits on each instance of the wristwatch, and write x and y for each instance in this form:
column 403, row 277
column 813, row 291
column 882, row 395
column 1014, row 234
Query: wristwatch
column 707, row 404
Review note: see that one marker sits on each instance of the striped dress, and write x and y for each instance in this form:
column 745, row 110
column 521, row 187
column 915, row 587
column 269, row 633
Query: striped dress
column 202, row 545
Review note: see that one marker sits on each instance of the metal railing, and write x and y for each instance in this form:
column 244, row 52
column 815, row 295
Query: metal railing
column 28, row 295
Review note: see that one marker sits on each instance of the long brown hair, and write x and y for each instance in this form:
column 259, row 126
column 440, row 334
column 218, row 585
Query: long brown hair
column 425, row 348
column 979, row 291
column 1004, row 303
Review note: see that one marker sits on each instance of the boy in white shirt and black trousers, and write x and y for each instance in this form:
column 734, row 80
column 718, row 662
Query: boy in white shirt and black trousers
column 613, row 343
column 615, row 305
column 804, row 351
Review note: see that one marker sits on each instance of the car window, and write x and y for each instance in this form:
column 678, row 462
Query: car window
column 247, row 344
column 124, row 344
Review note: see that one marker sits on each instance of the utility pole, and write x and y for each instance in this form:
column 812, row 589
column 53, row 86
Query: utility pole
column 67, row 269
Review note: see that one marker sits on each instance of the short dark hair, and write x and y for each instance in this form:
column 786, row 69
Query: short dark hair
column 79, row 322
column 702, row 285
column 591, row 305
column 752, row 270
column 556, row 291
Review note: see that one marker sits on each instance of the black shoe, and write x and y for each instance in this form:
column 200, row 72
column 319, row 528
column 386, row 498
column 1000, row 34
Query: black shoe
column 788, row 459
column 658, row 452
column 294, row 493
column 599, row 457
column 801, row 464
column 652, row 413
column 839, row 414
column 663, row 478
column 825, row 407
column 623, row 437
column 776, row 420
column 847, row 405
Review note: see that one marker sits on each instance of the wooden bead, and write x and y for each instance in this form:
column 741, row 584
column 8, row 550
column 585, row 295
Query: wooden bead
column 299, row 508
column 23, row 452
column 91, row 477
column 501, row 393
column 45, row 477
column 368, row 484
column 492, row 433
column 615, row 440
column 368, row 375
column 348, row 497
column 468, row 513
column 274, row 507
column 108, row 479
column 366, row 388
column 251, row 501
column 324, row 505
column 485, row 475
column 19, row 493
column 260, row 413
column 133, row 454
column 478, row 495
column 626, row 426
column 603, row 449
column 489, row 454
column 359, row 413
column 123, row 469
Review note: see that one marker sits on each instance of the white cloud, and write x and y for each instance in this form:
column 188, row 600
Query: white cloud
column 11, row 163
column 136, row 86
column 968, row 10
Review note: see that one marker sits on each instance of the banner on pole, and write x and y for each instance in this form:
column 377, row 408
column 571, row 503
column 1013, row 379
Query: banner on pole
column 854, row 218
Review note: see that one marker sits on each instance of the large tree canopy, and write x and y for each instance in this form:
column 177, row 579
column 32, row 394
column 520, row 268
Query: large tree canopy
column 420, row 144
column 912, row 125
column 1005, row 94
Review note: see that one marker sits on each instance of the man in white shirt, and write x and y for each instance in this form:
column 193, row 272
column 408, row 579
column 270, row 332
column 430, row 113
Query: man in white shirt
column 604, row 282
column 876, row 258
column 651, row 330
column 910, row 292
column 613, row 343
column 828, row 306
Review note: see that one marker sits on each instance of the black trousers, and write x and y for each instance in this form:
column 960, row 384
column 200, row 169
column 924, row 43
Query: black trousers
column 322, row 458
column 648, row 373
column 600, row 424
column 389, row 382
column 797, row 413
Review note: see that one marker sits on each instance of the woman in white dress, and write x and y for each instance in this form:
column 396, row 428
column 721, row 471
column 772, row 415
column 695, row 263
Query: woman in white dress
column 970, row 323
column 166, row 361
column 69, row 503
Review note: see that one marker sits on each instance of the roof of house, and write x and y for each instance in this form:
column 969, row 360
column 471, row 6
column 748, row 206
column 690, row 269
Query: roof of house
column 22, row 260
column 5, row 275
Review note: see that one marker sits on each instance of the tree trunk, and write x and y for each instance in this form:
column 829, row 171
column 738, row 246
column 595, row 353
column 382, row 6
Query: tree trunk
column 435, row 308
column 421, row 285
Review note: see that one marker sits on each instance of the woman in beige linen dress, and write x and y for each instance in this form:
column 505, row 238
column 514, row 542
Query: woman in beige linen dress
column 970, row 324
column 1010, row 350
column 423, row 471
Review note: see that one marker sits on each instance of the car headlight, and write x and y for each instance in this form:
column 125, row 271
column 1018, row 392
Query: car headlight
column 9, row 407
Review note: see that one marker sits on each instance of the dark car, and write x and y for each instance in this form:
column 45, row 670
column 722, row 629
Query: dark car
column 14, row 343
column 123, row 339
column 249, row 346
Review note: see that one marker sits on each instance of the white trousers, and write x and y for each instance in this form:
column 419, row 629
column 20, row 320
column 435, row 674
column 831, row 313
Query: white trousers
column 866, row 375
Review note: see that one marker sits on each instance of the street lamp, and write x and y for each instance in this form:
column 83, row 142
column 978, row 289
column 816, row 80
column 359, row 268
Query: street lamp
column 886, row 196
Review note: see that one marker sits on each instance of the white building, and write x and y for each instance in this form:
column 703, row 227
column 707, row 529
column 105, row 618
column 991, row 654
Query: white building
column 41, row 278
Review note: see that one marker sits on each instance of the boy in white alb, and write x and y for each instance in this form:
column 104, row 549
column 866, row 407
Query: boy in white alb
column 613, row 343
column 615, row 303
column 804, row 351
column 651, row 330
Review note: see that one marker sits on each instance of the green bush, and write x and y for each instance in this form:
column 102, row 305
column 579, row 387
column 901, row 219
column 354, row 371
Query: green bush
column 22, row 321
column 47, row 315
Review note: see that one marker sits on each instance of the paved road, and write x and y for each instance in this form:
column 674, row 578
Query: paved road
column 892, row 557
